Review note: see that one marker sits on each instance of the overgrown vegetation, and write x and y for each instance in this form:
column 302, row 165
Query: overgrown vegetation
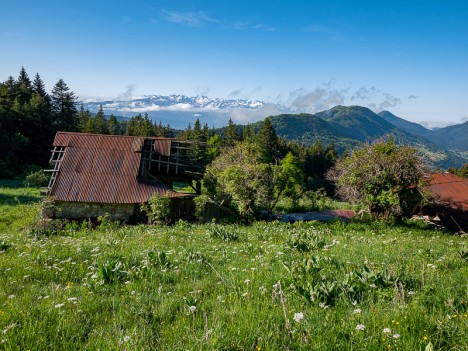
column 267, row 286
column 382, row 176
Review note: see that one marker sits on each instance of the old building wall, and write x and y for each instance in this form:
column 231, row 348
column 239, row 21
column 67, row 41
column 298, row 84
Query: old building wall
column 75, row 210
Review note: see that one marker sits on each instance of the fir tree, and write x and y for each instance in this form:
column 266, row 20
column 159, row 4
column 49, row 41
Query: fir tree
column 231, row 135
column 267, row 140
column 100, row 122
column 64, row 107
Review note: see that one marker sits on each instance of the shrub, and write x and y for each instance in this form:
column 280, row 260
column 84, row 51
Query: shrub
column 36, row 179
column 382, row 176
column 200, row 206
column 46, row 228
column 158, row 209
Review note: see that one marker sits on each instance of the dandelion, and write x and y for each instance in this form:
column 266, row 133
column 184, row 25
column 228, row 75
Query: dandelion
column 126, row 338
column 360, row 327
column 396, row 336
column 386, row 331
column 298, row 317
column 357, row 311
column 192, row 309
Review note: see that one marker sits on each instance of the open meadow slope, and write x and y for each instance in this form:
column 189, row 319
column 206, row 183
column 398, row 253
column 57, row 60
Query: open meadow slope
column 268, row 286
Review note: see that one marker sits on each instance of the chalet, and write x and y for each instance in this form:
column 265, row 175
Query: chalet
column 448, row 200
column 95, row 175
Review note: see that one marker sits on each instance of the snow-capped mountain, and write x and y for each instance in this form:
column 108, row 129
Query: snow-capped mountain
column 179, row 110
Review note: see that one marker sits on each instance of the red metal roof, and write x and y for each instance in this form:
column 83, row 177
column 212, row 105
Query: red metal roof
column 449, row 189
column 104, row 169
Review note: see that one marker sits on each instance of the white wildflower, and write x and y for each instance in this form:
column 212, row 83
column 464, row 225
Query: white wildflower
column 247, row 281
column 59, row 305
column 357, row 311
column 192, row 309
column 298, row 317
column 354, row 303
column 11, row 296
column 126, row 338
column 360, row 327
column 386, row 331
column 73, row 300
column 396, row 336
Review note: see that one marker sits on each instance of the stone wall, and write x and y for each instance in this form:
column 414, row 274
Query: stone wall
column 75, row 210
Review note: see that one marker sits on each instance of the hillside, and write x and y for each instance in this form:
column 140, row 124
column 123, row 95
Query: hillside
column 266, row 286
column 307, row 129
column 454, row 137
column 348, row 126
column 407, row 126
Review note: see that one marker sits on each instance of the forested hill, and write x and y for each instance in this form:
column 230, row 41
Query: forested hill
column 348, row 126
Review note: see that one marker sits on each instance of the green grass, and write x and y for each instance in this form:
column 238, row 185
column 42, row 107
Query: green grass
column 211, row 287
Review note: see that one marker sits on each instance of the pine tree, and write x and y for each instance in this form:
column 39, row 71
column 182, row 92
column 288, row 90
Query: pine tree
column 113, row 125
column 267, row 140
column 23, row 87
column 231, row 135
column 64, row 107
column 100, row 122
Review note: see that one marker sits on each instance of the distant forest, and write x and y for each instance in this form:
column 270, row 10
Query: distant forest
column 30, row 117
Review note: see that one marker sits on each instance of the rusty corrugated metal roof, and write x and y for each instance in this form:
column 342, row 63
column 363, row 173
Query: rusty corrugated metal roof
column 104, row 169
column 449, row 189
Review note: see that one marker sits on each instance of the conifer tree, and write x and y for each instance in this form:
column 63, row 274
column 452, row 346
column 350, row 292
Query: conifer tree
column 231, row 135
column 100, row 122
column 267, row 140
column 113, row 126
column 64, row 107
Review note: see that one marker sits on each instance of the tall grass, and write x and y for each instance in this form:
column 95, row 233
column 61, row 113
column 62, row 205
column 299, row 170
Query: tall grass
column 268, row 286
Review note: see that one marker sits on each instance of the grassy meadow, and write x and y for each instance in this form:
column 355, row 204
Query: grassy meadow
column 268, row 286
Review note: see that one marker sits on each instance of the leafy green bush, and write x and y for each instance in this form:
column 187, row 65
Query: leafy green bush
column 36, row 179
column 46, row 228
column 158, row 209
column 200, row 206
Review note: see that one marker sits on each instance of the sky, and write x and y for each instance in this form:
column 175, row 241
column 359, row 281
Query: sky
column 409, row 57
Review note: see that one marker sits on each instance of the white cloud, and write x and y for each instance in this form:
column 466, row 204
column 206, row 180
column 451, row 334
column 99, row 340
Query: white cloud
column 141, row 109
column 189, row 18
column 127, row 94
column 179, row 107
column 243, row 115
column 319, row 99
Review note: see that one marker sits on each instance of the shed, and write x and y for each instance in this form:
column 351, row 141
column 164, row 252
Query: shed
column 95, row 175
column 448, row 200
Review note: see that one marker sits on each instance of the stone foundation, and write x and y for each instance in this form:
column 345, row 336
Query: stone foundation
column 79, row 210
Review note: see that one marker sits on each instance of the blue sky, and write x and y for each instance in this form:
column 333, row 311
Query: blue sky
column 408, row 57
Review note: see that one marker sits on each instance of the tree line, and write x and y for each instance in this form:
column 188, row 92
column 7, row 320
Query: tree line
column 30, row 118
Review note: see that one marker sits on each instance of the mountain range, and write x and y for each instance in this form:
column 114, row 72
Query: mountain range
column 344, row 126
column 349, row 126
